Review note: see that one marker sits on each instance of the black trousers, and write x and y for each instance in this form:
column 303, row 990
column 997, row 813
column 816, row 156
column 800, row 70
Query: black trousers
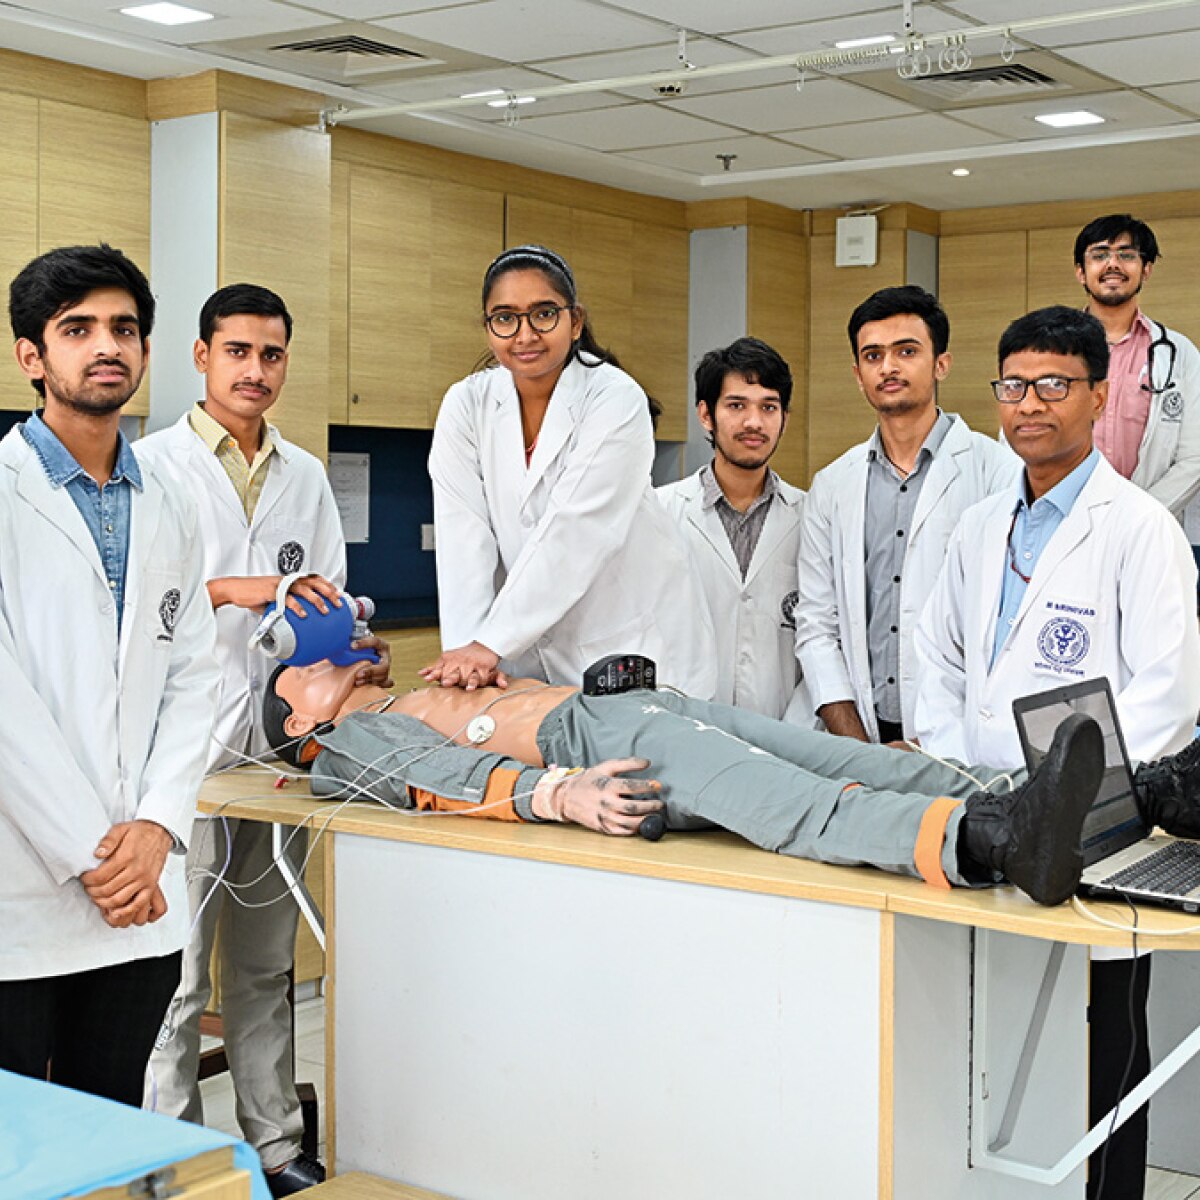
column 92, row 1031
column 1111, row 1038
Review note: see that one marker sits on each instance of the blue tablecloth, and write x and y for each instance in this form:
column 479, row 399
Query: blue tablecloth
column 55, row 1142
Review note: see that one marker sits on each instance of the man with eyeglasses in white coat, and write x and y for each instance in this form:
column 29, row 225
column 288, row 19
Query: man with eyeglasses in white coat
column 1073, row 574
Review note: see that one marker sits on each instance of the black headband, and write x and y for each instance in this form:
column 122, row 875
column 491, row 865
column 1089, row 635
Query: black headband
column 536, row 254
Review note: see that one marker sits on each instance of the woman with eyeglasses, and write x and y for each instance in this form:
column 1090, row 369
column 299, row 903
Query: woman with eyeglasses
column 552, row 551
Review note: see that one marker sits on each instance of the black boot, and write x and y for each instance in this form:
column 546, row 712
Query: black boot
column 1168, row 792
column 1031, row 836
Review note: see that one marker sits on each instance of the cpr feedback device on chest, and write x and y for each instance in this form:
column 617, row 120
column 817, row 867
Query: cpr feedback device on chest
column 297, row 641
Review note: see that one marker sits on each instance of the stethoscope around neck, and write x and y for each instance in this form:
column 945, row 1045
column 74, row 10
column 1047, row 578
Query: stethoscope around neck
column 1172, row 354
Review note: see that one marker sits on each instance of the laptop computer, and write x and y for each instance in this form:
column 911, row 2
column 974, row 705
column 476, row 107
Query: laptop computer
column 1121, row 857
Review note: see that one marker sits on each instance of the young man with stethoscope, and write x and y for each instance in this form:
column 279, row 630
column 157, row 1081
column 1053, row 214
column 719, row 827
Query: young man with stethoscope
column 1150, row 430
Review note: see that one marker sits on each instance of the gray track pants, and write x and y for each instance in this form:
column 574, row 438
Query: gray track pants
column 781, row 787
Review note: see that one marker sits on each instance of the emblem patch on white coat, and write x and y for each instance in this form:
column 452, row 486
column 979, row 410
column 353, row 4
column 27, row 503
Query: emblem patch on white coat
column 291, row 558
column 168, row 614
column 1172, row 405
column 787, row 610
column 1064, row 641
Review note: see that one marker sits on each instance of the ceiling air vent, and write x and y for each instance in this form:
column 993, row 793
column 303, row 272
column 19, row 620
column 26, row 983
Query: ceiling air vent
column 349, row 44
column 1006, row 81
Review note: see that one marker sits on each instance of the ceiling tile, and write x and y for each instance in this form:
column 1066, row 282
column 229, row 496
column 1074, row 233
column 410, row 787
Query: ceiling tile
column 1140, row 62
column 367, row 10
column 999, row 12
column 517, row 31
column 811, row 36
column 630, row 127
column 768, row 109
column 702, row 52
column 700, row 158
column 1185, row 95
column 1121, row 110
column 893, row 135
column 721, row 17
column 232, row 19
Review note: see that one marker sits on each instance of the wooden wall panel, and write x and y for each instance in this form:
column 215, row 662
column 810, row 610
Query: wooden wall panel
column 1171, row 294
column 1051, row 269
column 467, row 233
column 390, row 288
column 94, row 186
column 983, row 288
column 657, row 356
column 274, row 230
column 538, row 221
column 339, row 293
column 777, row 301
column 602, row 259
column 18, row 230
column 838, row 416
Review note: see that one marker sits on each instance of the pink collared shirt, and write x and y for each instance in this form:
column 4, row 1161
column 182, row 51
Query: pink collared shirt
column 1118, row 433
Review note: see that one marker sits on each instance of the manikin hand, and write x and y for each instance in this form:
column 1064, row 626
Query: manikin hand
column 125, row 886
column 472, row 666
column 257, row 591
column 599, row 799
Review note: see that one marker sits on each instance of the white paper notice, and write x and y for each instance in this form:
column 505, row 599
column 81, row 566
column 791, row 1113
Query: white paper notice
column 350, row 478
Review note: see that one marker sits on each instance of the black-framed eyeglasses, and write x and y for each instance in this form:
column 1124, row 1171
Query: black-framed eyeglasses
column 543, row 319
column 1050, row 388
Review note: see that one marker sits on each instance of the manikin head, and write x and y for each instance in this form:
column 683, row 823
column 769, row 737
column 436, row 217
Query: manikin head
column 304, row 700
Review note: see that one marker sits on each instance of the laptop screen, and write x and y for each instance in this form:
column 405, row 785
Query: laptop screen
column 1113, row 822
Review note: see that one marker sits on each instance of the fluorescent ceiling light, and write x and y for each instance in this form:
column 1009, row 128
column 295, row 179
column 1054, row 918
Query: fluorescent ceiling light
column 854, row 43
column 482, row 95
column 1068, row 120
column 960, row 172
column 167, row 14
column 515, row 100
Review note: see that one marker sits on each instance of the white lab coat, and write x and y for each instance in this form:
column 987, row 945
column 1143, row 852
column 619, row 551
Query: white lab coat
column 295, row 528
column 831, row 617
column 559, row 564
column 96, row 730
column 1113, row 593
column 1168, row 465
column 753, row 618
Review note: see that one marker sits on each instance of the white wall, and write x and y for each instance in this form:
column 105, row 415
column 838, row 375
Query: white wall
column 183, row 255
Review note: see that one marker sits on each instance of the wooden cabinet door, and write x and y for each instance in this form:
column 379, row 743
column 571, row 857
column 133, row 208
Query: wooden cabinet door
column 18, row 230
column 391, row 287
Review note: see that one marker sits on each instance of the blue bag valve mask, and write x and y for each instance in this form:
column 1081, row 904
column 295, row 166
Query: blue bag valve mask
column 298, row 641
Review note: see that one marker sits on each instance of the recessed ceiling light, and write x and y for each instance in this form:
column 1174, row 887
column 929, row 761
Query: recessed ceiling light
column 482, row 95
column 513, row 100
column 960, row 172
column 854, row 43
column 167, row 14
column 1068, row 120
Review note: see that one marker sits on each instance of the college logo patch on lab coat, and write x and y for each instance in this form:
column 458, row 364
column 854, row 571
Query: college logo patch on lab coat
column 1172, row 405
column 787, row 610
column 1063, row 641
column 291, row 558
column 168, row 614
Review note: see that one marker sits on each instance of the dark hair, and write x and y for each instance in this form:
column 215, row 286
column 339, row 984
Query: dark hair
column 242, row 299
column 1105, row 229
column 275, row 712
column 60, row 278
column 755, row 361
column 909, row 300
column 1059, row 330
column 562, row 279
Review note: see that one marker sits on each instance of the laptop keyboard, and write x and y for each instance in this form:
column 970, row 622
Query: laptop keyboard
column 1173, row 870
